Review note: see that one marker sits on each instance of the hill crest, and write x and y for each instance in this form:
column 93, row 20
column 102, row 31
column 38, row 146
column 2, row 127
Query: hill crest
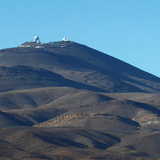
column 82, row 64
column 101, row 103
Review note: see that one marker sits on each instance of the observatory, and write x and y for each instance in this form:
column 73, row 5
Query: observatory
column 64, row 39
column 36, row 39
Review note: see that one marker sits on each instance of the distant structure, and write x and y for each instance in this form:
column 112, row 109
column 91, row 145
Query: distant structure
column 64, row 39
column 37, row 44
column 36, row 39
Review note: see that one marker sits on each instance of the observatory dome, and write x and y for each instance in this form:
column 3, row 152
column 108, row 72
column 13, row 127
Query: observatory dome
column 36, row 38
column 64, row 39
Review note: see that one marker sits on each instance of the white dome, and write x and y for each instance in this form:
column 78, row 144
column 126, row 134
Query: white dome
column 64, row 39
column 36, row 38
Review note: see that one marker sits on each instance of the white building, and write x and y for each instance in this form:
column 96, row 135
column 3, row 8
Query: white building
column 64, row 39
column 36, row 39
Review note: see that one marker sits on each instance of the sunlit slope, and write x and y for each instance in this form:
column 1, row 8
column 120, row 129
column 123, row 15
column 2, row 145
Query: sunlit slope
column 68, row 107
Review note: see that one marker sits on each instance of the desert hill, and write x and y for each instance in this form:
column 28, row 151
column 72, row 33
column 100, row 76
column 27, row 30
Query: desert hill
column 66, row 101
column 82, row 64
column 25, row 77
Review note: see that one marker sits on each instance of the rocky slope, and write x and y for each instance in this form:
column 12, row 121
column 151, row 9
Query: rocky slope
column 66, row 101
column 82, row 64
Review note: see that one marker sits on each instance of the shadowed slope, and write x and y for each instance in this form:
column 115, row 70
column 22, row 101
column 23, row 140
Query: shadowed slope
column 7, row 120
column 60, row 103
column 97, row 69
column 77, row 104
column 55, row 137
column 23, row 77
column 50, row 102
column 140, row 145
column 32, row 98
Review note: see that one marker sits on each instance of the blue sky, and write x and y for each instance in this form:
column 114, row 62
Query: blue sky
column 126, row 29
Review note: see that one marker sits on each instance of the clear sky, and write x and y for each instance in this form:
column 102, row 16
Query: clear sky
column 126, row 29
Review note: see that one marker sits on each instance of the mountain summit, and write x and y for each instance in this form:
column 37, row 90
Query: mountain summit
column 81, row 64
column 65, row 101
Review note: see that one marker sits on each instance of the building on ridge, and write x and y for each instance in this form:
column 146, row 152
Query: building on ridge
column 36, row 39
column 64, row 39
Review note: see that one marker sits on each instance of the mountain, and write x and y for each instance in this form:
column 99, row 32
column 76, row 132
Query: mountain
column 25, row 77
column 82, row 64
column 66, row 101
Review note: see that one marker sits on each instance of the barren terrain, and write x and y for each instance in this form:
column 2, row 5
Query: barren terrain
column 66, row 101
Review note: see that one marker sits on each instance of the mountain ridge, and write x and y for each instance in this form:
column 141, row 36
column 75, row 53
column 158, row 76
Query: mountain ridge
column 66, row 101
column 97, row 69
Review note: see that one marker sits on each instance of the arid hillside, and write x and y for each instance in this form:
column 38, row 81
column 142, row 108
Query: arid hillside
column 66, row 101
column 81, row 64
